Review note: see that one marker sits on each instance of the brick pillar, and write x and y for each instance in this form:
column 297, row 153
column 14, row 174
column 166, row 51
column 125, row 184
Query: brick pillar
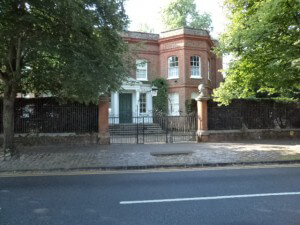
column 202, row 115
column 202, row 131
column 103, row 121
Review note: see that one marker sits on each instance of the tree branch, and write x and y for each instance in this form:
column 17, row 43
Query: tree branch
column 18, row 59
column 9, row 59
column 294, row 16
column 3, row 76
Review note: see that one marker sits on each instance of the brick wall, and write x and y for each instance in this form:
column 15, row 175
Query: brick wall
column 182, row 43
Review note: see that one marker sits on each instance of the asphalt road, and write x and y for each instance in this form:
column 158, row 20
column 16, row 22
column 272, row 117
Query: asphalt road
column 212, row 197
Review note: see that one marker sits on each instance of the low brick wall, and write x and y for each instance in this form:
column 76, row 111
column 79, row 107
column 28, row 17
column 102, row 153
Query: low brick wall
column 54, row 138
column 251, row 134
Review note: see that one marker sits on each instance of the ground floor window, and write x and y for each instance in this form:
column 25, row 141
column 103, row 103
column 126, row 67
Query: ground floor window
column 173, row 104
column 143, row 103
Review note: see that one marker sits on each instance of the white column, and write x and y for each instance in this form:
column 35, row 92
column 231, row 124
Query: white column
column 137, row 104
column 115, row 104
column 149, row 105
column 115, row 107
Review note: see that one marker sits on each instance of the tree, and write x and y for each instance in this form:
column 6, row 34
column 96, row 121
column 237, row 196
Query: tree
column 71, row 49
column 183, row 13
column 263, row 38
column 145, row 28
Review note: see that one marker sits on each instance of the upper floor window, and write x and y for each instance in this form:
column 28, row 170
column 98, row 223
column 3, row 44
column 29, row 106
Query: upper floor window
column 143, row 103
column 195, row 67
column 173, row 72
column 141, row 69
column 209, row 70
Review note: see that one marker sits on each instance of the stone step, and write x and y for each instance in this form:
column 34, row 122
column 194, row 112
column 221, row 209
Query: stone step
column 134, row 126
column 130, row 129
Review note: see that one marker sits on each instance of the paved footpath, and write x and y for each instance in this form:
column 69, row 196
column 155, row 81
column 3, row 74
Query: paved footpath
column 131, row 156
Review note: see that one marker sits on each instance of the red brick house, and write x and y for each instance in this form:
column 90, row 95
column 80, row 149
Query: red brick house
column 182, row 56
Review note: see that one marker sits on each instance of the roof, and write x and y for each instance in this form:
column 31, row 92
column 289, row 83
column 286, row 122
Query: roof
column 165, row 34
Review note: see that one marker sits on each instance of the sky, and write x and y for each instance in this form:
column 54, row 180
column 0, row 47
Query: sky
column 149, row 12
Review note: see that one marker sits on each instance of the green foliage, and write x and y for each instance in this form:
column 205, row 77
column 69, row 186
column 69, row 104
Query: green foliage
column 263, row 38
column 160, row 102
column 71, row 48
column 183, row 13
column 145, row 28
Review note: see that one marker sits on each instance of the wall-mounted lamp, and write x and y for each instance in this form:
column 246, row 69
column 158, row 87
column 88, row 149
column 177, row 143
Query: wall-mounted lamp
column 154, row 91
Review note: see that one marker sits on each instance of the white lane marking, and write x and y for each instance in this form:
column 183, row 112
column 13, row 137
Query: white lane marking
column 208, row 198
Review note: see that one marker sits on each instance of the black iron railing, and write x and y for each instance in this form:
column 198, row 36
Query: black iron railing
column 264, row 114
column 46, row 115
column 153, row 129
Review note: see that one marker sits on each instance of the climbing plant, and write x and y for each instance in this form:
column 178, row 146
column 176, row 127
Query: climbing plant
column 160, row 102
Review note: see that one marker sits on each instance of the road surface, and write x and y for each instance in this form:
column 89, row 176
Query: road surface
column 214, row 197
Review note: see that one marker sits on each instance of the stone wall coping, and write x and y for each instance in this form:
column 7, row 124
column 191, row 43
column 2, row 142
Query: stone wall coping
column 165, row 34
column 52, row 134
column 140, row 35
column 250, row 130
column 184, row 30
column 199, row 131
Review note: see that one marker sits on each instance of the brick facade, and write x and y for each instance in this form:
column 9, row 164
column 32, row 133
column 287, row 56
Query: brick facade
column 183, row 43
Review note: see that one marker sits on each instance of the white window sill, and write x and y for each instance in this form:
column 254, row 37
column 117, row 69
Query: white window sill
column 142, row 79
column 143, row 114
column 173, row 78
column 197, row 78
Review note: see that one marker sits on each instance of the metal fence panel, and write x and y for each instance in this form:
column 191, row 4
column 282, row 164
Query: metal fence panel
column 264, row 114
column 154, row 129
column 46, row 115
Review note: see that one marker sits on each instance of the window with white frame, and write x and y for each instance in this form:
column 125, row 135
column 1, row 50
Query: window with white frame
column 143, row 103
column 173, row 104
column 173, row 71
column 209, row 70
column 141, row 70
column 195, row 67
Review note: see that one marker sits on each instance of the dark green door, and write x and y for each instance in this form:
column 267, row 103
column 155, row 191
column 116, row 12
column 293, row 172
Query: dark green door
column 125, row 108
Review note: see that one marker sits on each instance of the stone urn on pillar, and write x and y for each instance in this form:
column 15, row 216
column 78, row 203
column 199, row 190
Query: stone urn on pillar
column 202, row 131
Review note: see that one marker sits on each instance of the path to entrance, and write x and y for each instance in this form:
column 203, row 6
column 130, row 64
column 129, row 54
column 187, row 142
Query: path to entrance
column 148, row 156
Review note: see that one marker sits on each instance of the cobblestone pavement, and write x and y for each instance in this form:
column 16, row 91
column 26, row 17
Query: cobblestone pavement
column 154, row 155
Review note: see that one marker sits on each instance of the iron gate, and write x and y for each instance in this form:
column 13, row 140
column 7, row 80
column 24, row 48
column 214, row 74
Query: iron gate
column 153, row 129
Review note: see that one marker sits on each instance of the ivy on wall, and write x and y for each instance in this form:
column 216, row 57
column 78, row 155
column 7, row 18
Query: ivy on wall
column 160, row 102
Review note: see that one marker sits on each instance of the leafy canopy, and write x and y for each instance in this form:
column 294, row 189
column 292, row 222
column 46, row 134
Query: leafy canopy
column 183, row 13
column 263, row 38
column 69, row 48
column 144, row 27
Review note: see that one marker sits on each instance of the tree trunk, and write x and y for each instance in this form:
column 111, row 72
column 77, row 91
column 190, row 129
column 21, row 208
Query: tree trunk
column 8, row 119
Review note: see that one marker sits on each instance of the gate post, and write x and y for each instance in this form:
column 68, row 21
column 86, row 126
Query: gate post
column 103, row 121
column 202, row 130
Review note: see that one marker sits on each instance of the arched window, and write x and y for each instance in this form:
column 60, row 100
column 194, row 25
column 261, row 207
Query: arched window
column 173, row 72
column 196, row 67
